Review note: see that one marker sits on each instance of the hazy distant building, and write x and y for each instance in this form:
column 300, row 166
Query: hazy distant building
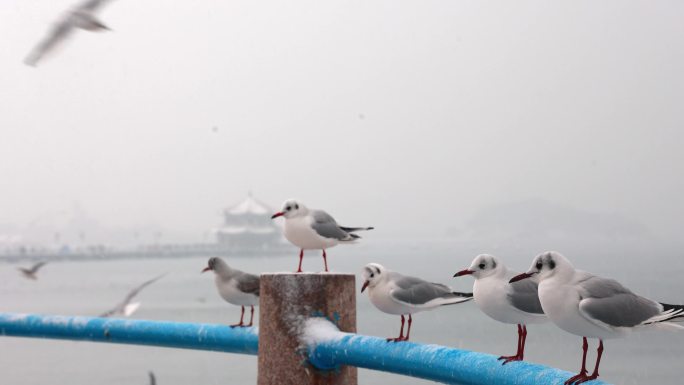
column 248, row 224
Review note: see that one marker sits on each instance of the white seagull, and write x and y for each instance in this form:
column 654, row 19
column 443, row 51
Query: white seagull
column 31, row 272
column 510, row 303
column 593, row 307
column 81, row 16
column 398, row 294
column 311, row 229
column 235, row 287
column 126, row 308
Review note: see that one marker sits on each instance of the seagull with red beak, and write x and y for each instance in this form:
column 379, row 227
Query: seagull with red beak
column 398, row 294
column 235, row 287
column 310, row 229
column 594, row 307
column 510, row 303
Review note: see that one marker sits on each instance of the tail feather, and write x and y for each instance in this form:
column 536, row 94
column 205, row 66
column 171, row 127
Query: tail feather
column 455, row 297
column 352, row 229
column 670, row 312
column 129, row 309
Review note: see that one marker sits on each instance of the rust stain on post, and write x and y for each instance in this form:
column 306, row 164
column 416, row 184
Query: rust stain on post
column 288, row 299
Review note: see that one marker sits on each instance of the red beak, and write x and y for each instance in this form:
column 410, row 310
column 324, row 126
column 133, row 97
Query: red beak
column 278, row 214
column 365, row 285
column 206, row 269
column 463, row 272
column 520, row 277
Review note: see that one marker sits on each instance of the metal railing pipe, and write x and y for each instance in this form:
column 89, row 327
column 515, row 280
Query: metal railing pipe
column 182, row 335
column 329, row 348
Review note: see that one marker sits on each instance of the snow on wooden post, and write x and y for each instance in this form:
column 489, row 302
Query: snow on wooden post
column 287, row 300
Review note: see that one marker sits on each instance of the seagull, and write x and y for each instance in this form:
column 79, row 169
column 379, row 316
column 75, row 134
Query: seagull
column 31, row 272
column 236, row 287
column 593, row 307
column 394, row 293
column 81, row 16
column 126, row 308
column 310, row 229
column 514, row 303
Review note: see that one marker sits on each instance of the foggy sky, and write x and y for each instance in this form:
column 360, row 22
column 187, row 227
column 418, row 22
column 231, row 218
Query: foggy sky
column 410, row 116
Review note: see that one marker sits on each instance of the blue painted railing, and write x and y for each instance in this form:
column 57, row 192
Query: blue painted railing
column 127, row 331
column 432, row 362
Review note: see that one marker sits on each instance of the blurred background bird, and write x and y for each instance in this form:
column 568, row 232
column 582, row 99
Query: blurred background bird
column 81, row 16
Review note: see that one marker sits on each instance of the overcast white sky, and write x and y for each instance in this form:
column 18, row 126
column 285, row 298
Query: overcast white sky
column 465, row 104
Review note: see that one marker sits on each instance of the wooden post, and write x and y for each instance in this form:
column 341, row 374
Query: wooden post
column 286, row 301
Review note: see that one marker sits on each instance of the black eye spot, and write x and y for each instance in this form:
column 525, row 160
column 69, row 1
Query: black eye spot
column 287, row 208
column 552, row 264
column 372, row 275
column 481, row 266
column 539, row 265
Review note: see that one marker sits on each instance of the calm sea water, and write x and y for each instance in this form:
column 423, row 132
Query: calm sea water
column 88, row 288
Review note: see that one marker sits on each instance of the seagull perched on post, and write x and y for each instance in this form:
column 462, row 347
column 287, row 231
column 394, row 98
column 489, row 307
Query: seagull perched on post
column 593, row 307
column 31, row 272
column 126, row 308
column 311, row 229
column 235, row 287
column 81, row 16
column 398, row 294
column 510, row 303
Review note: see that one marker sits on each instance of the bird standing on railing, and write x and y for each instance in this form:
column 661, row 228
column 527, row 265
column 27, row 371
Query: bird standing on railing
column 511, row 303
column 311, row 229
column 593, row 307
column 81, row 16
column 126, row 308
column 31, row 272
column 235, row 287
column 398, row 294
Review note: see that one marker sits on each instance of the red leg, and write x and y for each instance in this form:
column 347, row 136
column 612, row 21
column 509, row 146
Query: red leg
column 301, row 256
column 408, row 333
column 325, row 260
column 518, row 353
column 595, row 374
column 242, row 316
column 582, row 375
column 522, row 345
column 401, row 333
column 251, row 317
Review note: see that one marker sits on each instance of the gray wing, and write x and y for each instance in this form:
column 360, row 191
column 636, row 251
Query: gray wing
column 248, row 283
column 326, row 227
column 416, row 291
column 609, row 302
column 138, row 289
column 57, row 34
column 523, row 296
column 118, row 308
column 34, row 269
column 91, row 5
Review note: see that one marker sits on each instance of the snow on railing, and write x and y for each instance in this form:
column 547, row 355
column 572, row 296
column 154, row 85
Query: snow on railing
column 137, row 332
column 329, row 348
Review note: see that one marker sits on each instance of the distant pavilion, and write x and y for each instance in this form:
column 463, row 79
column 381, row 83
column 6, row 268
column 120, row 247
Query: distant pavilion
column 248, row 225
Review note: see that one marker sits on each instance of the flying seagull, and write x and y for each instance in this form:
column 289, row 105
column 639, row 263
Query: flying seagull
column 310, row 229
column 31, row 272
column 81, row 16
column 126, row 308
column 510, row 303
column 394, row 293
column 593, row 307
column 235, row 287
